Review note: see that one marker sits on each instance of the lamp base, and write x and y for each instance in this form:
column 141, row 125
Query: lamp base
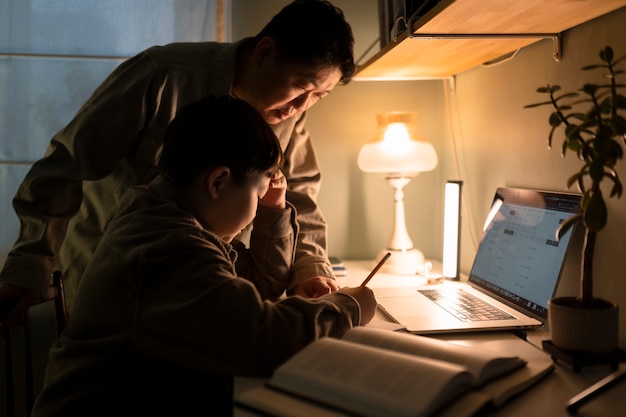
column 402, row 262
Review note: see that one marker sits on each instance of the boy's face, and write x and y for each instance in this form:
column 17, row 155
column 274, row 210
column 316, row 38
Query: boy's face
column 238, row 204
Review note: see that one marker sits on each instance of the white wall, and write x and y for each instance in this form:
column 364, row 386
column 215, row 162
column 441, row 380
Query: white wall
column 499, row 143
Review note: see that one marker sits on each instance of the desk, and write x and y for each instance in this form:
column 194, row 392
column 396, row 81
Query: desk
column 547, row 399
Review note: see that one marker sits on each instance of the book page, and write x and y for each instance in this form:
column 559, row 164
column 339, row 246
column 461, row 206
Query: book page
column 483, row 365
column 371, row 382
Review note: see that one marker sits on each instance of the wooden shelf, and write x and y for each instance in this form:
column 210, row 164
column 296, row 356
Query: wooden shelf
column 431, row 57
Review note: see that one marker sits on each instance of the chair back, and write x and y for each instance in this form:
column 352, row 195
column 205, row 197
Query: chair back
column 18, row 341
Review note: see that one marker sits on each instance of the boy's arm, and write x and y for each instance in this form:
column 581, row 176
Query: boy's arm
column 268, row 261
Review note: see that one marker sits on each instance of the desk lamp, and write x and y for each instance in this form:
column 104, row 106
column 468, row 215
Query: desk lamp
column 398, row 154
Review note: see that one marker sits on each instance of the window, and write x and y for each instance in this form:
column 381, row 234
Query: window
column 53, row 54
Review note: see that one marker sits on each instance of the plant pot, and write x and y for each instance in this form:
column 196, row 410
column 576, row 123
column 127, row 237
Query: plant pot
column 575, row 328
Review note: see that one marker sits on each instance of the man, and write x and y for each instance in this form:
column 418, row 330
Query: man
column 114, row 142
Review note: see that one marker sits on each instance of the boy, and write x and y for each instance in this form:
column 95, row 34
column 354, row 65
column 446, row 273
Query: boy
column 162, row 321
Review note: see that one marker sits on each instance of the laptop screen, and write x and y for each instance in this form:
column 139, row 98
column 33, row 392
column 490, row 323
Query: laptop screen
column 519, row 259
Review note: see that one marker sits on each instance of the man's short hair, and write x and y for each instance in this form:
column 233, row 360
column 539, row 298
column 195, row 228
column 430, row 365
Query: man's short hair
column 313, row 33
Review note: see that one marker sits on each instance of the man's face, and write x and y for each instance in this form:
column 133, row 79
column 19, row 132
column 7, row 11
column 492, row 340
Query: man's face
column 287, row 90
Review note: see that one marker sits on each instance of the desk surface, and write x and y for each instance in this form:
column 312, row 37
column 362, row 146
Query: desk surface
column 547, row 399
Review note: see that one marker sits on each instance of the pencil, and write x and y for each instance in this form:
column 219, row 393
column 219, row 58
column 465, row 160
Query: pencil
column 376, row 268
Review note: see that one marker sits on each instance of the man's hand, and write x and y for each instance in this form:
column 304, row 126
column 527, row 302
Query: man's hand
column 316, row 287
column 14, row 301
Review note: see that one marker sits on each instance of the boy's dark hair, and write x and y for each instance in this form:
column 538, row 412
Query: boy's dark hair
column 218, row 131
column 313, row 33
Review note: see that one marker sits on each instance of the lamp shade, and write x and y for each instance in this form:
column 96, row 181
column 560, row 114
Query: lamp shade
column 397, row 149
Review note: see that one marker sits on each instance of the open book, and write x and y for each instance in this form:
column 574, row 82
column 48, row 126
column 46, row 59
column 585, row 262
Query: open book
column 375, row 372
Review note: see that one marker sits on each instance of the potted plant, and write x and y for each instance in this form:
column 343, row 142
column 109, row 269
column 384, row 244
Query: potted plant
column 586, row 323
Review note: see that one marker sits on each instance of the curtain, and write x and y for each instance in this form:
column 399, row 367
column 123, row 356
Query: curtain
column 53, row 54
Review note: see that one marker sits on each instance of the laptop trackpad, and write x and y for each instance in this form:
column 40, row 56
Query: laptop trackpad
column 406, row 302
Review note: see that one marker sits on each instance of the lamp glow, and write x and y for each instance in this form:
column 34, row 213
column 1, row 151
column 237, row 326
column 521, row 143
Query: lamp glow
column 399, row 155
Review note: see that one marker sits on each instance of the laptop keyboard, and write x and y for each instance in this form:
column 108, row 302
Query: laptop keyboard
column 464, row 306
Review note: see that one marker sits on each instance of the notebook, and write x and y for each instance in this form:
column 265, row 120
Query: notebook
column 516, row 270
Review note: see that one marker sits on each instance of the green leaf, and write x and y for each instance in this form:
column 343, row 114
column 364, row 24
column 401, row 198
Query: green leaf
column 606, row 54
column 596, row 171
column 553, row 88
column 586, row 151
column 567, row 95
column 530, row 106
column 604, row 147
column 577, row 116
column 618, row 152
column 581, row 184
column 555, row 119
column 572, row 131
column 605, row 106
column 585, row 201
column 594, row 66
column 619, row 125
column 617, row 188
column 619, row 101
column 564, row 147
column 573, row 179
column 590, row 89
column 550, row 138
column 575, row 144
column 613, row 153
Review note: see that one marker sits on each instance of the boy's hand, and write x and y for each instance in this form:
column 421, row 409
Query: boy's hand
column 275, row 196
column 365, row 297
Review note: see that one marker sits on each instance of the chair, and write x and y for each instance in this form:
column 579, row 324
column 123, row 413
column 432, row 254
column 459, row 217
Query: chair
column 20, row 401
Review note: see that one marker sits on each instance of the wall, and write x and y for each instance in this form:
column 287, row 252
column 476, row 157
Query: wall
column 498, row 143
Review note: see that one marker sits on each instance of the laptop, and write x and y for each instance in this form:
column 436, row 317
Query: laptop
column 515, row 271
